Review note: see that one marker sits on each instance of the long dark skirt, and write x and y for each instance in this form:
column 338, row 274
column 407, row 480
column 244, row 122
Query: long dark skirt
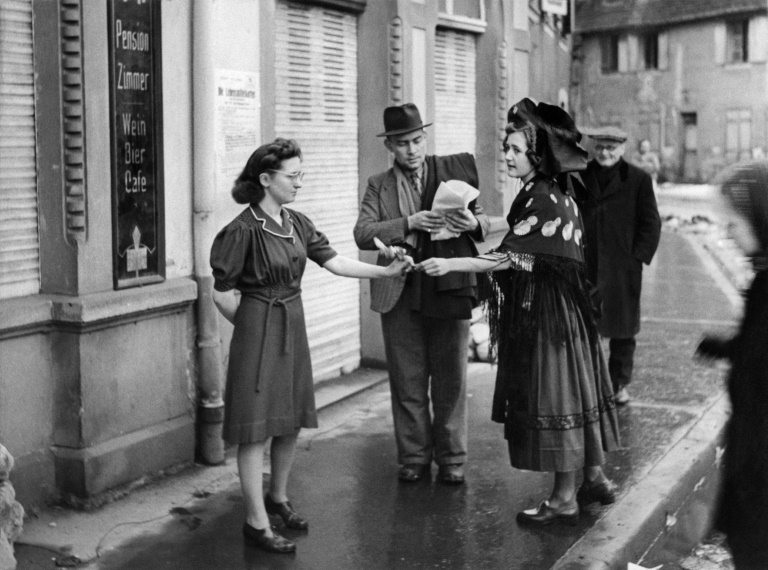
column 559, row 412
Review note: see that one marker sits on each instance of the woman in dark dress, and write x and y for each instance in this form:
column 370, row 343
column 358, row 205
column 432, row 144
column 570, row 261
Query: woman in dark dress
column 743, row 500
column 553, row 391
column 269, row 394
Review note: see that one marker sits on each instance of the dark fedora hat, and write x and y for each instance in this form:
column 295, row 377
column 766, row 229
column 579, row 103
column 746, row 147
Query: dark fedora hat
column 401, row 119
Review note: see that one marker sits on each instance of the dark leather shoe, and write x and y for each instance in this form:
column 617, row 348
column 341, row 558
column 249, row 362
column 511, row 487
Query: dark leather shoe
column 566, row 514
column 275, row 543
column 413, row 472
column 622, row 397
column 285, row 511
column 603, row 493
column 452, row 474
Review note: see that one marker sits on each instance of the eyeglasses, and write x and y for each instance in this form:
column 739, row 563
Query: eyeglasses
column 606, row 147
column 293, row 176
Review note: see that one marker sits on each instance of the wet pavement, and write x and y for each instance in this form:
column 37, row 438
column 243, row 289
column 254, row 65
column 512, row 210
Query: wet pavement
column 344, row 477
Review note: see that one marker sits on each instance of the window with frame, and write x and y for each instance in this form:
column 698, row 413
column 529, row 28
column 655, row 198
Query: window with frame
column 609, row 53
column 738, row 134
column 737, row 41
column 651, row 50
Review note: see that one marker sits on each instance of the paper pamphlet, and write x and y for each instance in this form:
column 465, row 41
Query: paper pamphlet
column 452, row 196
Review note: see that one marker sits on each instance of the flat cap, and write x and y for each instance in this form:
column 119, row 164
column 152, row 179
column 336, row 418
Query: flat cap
column 609, row 133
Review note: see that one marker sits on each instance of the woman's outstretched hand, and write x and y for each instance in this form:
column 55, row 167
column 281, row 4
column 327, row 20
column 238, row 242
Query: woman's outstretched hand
column 434, row 266
column 400, row 266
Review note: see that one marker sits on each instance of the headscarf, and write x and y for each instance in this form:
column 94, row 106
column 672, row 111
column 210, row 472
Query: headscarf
column 557, row 138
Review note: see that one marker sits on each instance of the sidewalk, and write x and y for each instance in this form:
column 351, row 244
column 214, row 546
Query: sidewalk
column 344, row 478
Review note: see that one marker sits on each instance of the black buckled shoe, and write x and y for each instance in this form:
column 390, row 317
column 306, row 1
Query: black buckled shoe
column 544, row 515
column 285, row 511
column 413, row 472
column 275, row 543
column 603, row 492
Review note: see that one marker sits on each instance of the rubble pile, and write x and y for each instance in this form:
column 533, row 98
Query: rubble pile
column 11, row 513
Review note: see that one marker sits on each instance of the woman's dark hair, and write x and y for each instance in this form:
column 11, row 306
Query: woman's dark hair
column 270, row 156
column 533, row 138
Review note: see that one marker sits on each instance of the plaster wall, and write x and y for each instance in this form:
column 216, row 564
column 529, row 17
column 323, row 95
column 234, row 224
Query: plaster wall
column 176, row 21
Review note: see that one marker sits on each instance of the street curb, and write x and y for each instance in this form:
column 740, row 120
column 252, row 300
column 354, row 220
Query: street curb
column 632, row 525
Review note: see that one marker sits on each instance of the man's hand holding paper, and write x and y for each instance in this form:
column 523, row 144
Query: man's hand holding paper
column 452, row 200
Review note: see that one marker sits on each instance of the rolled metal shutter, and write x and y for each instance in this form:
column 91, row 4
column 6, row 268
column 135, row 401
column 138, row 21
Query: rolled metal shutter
column 19, row 245
column 316, row 104
column 455, row 92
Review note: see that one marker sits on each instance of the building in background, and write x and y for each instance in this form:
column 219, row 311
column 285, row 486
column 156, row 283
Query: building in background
column 122, row 128
column 689, row 76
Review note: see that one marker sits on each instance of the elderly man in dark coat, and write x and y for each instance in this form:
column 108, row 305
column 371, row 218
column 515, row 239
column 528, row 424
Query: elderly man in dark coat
column 425, row 320
column 622, row 230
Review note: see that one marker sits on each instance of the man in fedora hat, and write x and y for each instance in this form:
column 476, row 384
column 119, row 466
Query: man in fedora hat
column 425, row 320
column 622, row 228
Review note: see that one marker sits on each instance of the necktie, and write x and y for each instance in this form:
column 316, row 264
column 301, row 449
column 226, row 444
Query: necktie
column 416, row 184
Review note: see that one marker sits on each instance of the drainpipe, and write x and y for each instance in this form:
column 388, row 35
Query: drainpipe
column 210, row 415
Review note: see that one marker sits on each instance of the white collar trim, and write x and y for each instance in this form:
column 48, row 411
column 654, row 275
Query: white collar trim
column 263, row 221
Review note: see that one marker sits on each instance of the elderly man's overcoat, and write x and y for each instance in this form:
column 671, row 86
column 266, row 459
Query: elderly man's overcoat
column 622, row 229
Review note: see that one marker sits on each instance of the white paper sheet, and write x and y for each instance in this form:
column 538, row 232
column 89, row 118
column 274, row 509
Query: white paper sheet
column 452, row 196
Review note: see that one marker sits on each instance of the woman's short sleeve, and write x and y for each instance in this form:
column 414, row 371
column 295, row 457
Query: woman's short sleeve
column 228, row 254
column 319, row 248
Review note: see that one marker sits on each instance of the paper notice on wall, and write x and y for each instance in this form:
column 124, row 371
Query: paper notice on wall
column 237, row 123
column 559, row 7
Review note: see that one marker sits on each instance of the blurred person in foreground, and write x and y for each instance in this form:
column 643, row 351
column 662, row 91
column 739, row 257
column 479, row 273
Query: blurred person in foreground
column 742, row 512
column 622, row 230
column 553, row 391
column 424, row 320
column 270, row 392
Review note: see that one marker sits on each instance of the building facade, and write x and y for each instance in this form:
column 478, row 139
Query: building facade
column 689, row 76
column 124, row 125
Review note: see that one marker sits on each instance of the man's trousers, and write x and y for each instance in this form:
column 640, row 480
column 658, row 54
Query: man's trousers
column 427, row 359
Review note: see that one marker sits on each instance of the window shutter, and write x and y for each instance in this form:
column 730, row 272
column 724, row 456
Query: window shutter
column 720, row 43
column 623, row 54
column 316, row 104
column 455, row 92
column 633, row 59
column 663, row 50
column 19, row 246
column 758, row 38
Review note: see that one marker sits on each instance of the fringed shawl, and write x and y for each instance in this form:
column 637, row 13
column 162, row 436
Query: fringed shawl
column 546, row 282
column 538, row 294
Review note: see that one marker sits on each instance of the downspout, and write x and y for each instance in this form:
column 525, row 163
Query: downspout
column 210, row 414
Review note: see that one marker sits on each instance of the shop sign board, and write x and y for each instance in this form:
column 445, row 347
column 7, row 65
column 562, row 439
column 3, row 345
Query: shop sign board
column 136, row 142
column 559, row 7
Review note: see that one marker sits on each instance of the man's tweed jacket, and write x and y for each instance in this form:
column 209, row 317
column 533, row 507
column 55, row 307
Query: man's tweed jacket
column 380, row 217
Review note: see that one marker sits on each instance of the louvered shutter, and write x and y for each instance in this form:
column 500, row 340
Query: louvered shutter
column 758, row 42
column 19, row 249
column 719, row 44
column 455, row 89
column 316, row 104
column 663, row 50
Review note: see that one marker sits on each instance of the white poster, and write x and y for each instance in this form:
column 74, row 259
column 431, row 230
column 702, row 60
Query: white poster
column 559, row 7
column 237, row 123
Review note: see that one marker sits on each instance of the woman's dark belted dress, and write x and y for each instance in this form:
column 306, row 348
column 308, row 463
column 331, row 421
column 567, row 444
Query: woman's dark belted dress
column 269, row 388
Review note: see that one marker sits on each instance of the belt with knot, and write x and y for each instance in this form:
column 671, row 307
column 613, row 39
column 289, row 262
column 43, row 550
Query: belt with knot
column 272, row 300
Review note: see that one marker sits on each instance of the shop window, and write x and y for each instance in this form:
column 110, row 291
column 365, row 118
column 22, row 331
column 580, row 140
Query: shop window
column 738, row 134
column 609, row 53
